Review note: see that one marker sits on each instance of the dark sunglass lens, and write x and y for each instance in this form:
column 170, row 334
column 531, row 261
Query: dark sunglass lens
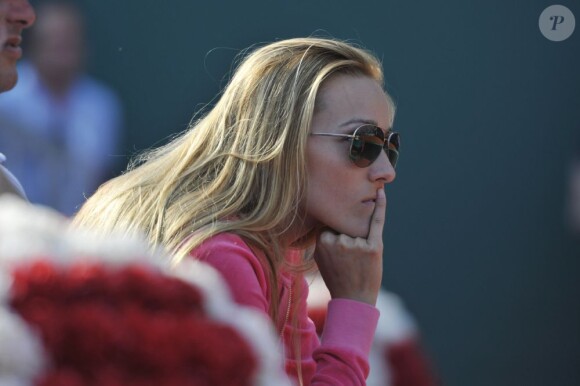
column 392, row 148
column 374, row 139
column 357, row 150
column 393, row 156
column 367, row 145
column 394, row 140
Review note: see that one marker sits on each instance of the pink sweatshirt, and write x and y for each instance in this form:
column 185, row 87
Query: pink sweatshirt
column 340, row 357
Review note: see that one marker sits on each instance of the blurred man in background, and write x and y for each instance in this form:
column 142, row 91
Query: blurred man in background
column 15, row 16
column 59, row 128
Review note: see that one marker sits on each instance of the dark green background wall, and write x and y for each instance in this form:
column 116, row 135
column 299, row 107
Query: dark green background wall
column 489, row 111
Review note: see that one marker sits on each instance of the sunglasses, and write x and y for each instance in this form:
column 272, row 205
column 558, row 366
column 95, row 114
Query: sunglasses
column 366, row 144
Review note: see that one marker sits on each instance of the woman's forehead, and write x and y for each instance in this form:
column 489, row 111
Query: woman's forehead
column 349, row 97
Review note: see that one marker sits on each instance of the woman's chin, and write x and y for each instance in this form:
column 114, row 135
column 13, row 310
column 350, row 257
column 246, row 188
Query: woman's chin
column 351, row 230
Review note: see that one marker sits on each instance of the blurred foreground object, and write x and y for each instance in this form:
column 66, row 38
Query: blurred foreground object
column 78, row 310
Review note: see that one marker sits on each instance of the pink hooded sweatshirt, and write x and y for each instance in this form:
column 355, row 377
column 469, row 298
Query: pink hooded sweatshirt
column 340, row 357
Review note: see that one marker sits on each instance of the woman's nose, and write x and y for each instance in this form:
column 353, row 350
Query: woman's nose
column 381, row 170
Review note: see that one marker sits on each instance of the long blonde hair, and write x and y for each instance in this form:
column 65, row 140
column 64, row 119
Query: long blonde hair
column 240, row 168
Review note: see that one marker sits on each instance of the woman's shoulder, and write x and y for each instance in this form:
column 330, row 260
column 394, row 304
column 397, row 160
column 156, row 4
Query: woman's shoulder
column 225, row 237
column 222, row 244
column 229, row 252
column 239, row 265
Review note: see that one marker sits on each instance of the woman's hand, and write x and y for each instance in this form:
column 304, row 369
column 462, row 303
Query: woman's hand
column 352, row 268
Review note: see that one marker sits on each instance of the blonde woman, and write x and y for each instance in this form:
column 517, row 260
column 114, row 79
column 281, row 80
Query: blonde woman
column 287, row 169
